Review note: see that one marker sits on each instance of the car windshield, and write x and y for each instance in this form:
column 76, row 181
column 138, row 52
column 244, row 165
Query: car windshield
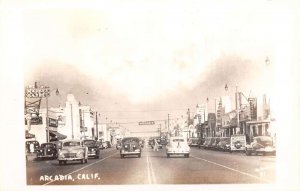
column 265, row 141
column 46, row 145
column 130, row 140
column 71, row 144
column 89, row 142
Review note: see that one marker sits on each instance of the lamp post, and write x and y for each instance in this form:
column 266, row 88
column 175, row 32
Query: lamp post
column 236, row 105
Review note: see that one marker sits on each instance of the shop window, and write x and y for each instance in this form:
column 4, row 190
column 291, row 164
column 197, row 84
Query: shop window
column 254, row 131
column 260, row 130
column 267, row 129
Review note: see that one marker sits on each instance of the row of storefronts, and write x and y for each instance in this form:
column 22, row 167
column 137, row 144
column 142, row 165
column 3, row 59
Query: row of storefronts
column 252, row 118
column 73, row 121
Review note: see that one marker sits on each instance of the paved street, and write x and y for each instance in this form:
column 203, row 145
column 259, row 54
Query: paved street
column 203, row 167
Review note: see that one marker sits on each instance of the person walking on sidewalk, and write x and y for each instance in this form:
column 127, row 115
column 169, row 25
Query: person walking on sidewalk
column 155, row 148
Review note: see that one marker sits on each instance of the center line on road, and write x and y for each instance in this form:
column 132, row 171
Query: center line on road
column 150, row 171
column 83, row 167
column 244, row 173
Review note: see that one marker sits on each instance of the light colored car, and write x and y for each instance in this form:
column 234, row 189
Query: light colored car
column 261, row 145
column 178, row 146
column 73, row 150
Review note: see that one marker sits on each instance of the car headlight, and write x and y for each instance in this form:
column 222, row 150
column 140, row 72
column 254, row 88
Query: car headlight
column 61, row 154
column 79, row 153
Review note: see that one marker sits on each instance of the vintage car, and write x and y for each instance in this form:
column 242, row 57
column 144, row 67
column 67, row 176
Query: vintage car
column 224, row 144
column 108, row 144
column 215, row 142
column 261, row 145
column 206, row 143
column 93, row 148
column 193, row 141
column 73, row 150
column 130, row 146
column 47, row 150
column 178, row 146
column 58, row 144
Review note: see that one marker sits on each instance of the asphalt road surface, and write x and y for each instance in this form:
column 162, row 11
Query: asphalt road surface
column 203, row 167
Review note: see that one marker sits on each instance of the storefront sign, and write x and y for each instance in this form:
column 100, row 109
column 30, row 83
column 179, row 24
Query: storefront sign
column 147, row 123
column 52, row 122
column 37, row 92
column 238, row 142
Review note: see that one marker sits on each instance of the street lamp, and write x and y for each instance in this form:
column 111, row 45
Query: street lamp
column 236, row 104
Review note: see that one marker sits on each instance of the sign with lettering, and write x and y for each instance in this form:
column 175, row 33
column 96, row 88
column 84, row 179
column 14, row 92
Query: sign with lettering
column 147, row 123
column 37, row 92
column 52, row 122
column 35, row 121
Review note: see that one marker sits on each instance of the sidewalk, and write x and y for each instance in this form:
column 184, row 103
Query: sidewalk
column 30, row 156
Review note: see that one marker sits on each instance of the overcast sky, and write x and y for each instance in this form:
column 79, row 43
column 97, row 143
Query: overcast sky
column 155, row 56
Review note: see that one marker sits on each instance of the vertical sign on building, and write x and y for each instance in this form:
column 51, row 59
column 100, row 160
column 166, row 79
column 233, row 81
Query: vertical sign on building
column 219, row 112
column 253, row 108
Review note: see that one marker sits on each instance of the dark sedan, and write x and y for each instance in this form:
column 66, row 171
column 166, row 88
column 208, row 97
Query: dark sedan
column 93, row 148
column 130, row 146
column 47, row 150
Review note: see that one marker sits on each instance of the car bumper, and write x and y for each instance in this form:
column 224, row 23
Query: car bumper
column 130, row 153
column 44, row 156
column 69, row 159
column 178, row 152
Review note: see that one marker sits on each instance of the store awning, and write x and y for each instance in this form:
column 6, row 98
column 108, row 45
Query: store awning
column 58, row 135
column 29, row 135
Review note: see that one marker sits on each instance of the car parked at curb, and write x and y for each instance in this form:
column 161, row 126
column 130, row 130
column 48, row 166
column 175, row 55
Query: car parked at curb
column 177, row 146
column 224, row 144
column 47, row 150
column 261, row 145
column 73, row 150
column 130, row 146
column 193, row 141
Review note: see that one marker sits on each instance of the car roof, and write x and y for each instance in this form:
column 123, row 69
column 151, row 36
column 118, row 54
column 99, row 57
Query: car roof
column 72, row 140
column 125, row 138
column 177, row 138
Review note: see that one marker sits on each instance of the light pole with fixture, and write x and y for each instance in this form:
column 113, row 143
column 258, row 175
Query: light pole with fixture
column 236, row 105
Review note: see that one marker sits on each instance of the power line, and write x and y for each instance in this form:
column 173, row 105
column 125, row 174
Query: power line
column 142, row 110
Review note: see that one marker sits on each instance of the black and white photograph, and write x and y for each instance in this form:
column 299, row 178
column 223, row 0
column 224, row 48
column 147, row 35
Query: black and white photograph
column 143, row 95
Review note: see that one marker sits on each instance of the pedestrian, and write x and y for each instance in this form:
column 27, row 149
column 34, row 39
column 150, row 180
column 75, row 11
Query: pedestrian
column 155, row 148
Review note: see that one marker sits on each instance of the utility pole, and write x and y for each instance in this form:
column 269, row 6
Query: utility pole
column 189, row 117
column 97, row 125
column 168, row 122
column 237, row 108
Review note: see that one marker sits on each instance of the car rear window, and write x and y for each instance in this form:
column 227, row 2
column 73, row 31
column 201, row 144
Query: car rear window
column 178, row 140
